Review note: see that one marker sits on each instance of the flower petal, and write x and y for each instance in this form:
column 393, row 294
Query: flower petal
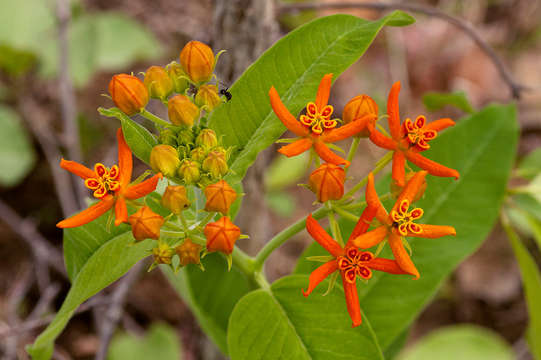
column 125, row 161
column 320, row 235
column 319, row 274
column 393, row 111
column 296, row 148
column 77, row 169
column 399, row 168
column 433, row 231
column 284, row 115
column 323, row 91
column 381, row 140
column 327, row 155
column 143, row 188
column 410, row 190
column 432, row 167
column 363, row 223
column 373, row 201
column 87, row 215
column 352, row 301
column 439, row 125
column 401, row 256
column 371, row 238
column 385, row 265
column 121, row 211
column 347, row 130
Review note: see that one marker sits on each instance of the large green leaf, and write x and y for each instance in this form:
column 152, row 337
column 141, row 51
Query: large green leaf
column 530, row 166
column 294, row 66
column 482, row 148
column 283, row 324
column 435, row 101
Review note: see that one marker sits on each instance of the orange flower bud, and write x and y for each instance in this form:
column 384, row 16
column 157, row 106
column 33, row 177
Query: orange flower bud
column 129, row 93
column 327, row 182
column 158, row 83
column 221, row 235
column 358, row 107
column 197, row 60
column 207, row 138
column 396, row 189
column 188, row 252
column 198, row 154
column 208, row 95
column 175, row 199
column 219, row 196
column 145, row 224
column 162, row 254
column 164, row 159
column 216, row 163
column 182, row 111
column 178, row 77
column 189, row 171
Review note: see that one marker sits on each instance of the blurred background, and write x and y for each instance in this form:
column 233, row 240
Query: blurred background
column 56, row 59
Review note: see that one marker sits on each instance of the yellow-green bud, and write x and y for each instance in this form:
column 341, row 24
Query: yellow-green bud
column 167, row 137
column 175, row 199
column 207, row 138
column 158, row 82
column 185, row 137
column 178, row 76
column 182, row 111
column 216, row 163
column 183, row 152
column 163, row 253
column 208, row 95
column 164, row 159
column 198, row 154
column 189, row 171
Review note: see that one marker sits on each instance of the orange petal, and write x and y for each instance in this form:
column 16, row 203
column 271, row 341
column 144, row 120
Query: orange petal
column 347, row 130
column 142, row 189
column 320, row 235
column 87, row 215
column 284, row 115
column 385, row 265
column 399, row 168
column 327, row 155
column 373, row 201
column 323, row 91
column 432, row 167
column 296, row 148
column 411, row 189
column 401, row 256
column 381, row 140
column 363, row 223
column 77, row 169
column 433, row 231
column 319, row 274
column 371, row 238
column 125, row 161
column 121, row 211
column 439, row 125
column 352, row 301
column 393, row 111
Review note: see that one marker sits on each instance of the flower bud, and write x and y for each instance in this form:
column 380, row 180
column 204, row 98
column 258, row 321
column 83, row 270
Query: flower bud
column 182, row 111
column 219, row 196
column 168, row 137
column 189, row 171
column 207, row 138
column 221, row 235
column 208, row 95
column 178, row 77
column 357, row 108
column 145, row 224
column 198, row 154
column 396, row 190
column 216, row 163
column 128, row 93
column 327, row 182
column 197, row 60
column 162, row 253
column 158, row 82
column 185, row 137
column 188, row 252
column 175, row 199
column 164, row 159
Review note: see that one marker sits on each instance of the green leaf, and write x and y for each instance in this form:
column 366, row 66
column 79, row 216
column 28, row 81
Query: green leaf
column 281, row 323
column 482, row 148
column 435, row 101
column 160, row 342
column 284, row 171
column 465, row 342
column 106, row 264
column 17, row 155
column 294, row 66
column 530, row 166
column 212, row 294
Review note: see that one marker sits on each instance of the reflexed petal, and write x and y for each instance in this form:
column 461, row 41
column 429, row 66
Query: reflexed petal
column 320, row 235
column 440, row 124
column 373, row 201
column 285, row 116
column 411, row 189
column 363, row 272
column 352, row 302
column 121, row 211
column 420, row 121
column 371, row 238
column 87, row 215
column 434, row 231
column 77, row 169
column 323, row 91
column 319, row 274
column 386, row 265
column 125, row 161
column 327, row 155
column 381, row 140
column 399, row 168
column 296, row 148
column 363, row 223
column 347, row 130
column 401, row 256
column 432, row 167
column 393, row 111
column 143, row 188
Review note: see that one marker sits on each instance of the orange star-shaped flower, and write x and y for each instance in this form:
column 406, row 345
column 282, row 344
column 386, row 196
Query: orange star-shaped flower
column 408, row 139
column 111, row 186
column 399, row 222
column 316, row 128
column 350, row 261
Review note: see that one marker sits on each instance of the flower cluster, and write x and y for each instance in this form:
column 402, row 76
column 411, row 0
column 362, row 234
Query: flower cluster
column 316, row 130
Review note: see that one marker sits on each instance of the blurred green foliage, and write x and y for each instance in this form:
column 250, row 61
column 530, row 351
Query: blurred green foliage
column 435, row 101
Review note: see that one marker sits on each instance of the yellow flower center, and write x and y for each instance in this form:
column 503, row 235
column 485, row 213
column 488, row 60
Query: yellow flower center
column 106, row 180
column 318, row 119
column 417, row 134
column 403, row 219
column 355, row 263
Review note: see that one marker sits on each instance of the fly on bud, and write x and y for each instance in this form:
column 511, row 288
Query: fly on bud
column 175, row 199
column 219, row 196
column 207, row 138
column 178, row 77
column 189, row 172
column 221, row 235
column 145, row 224
column 216, row 163
column 197, row 60
column 164, row 159
column 358, row 107
column 182, row 111
column 128, row 93
column 327, row 182
column 158, row 82
column 188, row 252
column 208, row 96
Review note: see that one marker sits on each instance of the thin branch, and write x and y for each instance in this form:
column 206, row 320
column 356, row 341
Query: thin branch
column 515, row 87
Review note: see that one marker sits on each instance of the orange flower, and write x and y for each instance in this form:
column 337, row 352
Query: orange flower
column 219, row 196
column 408, row 139
column 188, row 253
column 221, row 235
column 350, row 261
column 146, row 224
column 111, row 186
column 327, row 182
column 316, row 128
column 399, row 222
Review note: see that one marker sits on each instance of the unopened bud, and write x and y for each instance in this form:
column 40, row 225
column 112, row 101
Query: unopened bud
column 163, row 253
column 207, row 138
column 175, row 199
column 128, row 93
column 189, row 172
column 198, row 154
column 164, row 159
column 185, row 137
column 216, row 163
column 221, row 235
column 182, row 111
column 327, row 182
column 178, row 76
column 158, row 82
column 145, row 224
column 396, row 190
column 167, row 137
column 188, row 252
column 197, row 60
column 207, row 95
column 219, row 196
column 358, row 107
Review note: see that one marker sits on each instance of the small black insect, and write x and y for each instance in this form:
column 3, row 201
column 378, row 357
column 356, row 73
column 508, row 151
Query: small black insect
column 225, row 92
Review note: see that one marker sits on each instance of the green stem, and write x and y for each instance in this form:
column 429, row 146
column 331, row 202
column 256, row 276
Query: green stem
column 335, row 228
column 155, row 119
column 184, row 223
column 206, row 219
column 353, row 149
column 379, row 166
column 345, row 214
